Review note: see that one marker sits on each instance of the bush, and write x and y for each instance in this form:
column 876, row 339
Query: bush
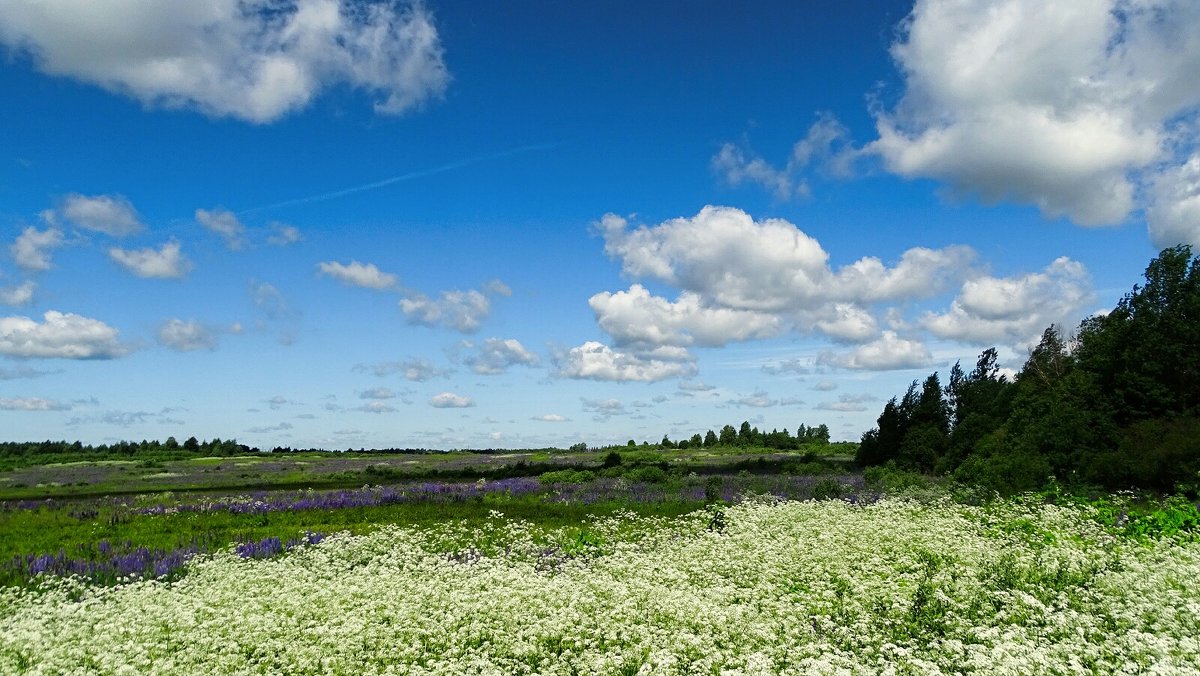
column 888, row 479
column 650, row 475
column 566, row 476
column 829, row 489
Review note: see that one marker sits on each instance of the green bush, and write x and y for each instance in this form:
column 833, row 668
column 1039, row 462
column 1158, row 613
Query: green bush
column 653, row 475
column 566, row 476
column 829, row 489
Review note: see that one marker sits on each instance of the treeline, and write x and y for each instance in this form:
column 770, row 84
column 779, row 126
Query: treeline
column 22, row 453
column 751, row 436
column 1117, row 405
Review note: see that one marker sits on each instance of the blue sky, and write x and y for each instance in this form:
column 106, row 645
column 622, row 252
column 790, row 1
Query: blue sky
column 344, row 224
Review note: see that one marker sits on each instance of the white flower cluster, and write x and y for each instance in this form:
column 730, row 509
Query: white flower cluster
column 799, row 587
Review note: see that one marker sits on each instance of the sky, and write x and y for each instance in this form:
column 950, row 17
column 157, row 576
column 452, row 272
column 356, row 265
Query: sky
column 346, row 224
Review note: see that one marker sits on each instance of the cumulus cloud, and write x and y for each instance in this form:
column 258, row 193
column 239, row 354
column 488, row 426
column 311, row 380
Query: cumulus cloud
column 112, row 215
column 417, row 370
column 1061, row 105
column 733, row 165
column 826, row 147
column 636, row 317
column 888, row 352
column 60, row 335
column 354, row 273
column 550, row 417
column 186, row 336
column 255, row 60
column 742, row 279
column 604, row 407
column 32, row 404
column 797, row 366
column 732, row 261
column 17, row 295
column 31, row 250
column 496, row 355
column 1014, row 311
column 377, row 393
column 596, row 361
column 757, row 400
column 1174, row 212
column 376, row 407
column 283, row 234
column 166, row 262
column 462, row 311
column 849, row 323
column 450, row 400
column 225, row 223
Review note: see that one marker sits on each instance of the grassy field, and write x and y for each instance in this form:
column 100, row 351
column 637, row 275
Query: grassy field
column 688, row 563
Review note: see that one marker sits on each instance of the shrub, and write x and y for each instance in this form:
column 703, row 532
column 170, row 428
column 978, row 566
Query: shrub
column 566, row 476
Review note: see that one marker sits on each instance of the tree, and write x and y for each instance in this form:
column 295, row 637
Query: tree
column 695, row 441
column 745, row 435
column 728, row 436
column 192, row 444
column 925, row 440
column 710, row 439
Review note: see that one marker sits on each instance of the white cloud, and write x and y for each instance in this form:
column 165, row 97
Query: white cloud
column 635, row 317
column 825, row 386
column 1062, row 105
column 164, row 263
column 377, row 393
column 417, row 370
column 826, row 147
column 1174, row 211
column 497, row 355
column 849, row 323
column 757, row 400
column 283, row 234
column 225, row 223
column 1015, row 310
column 256, row 60
column 732, row 261
column 597, row 361
column 733, row 165
column 32, row 404
column 110, row 214
column 31, row 250
column 186, row 336
column 450, row 400
column 795, row 365
column 376, row 407
column 17, row 295
column 354, row 273
column 605, row 407
column 459, row 310
column 887, row 353
column 59, row 335
column 550, row 417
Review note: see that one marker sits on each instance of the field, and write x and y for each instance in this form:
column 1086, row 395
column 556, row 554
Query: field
column 742, row 562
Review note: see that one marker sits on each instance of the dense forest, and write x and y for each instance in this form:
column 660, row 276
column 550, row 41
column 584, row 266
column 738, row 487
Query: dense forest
column 1116, row 404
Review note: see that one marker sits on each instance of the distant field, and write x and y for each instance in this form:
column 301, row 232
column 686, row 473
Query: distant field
column 336, row 469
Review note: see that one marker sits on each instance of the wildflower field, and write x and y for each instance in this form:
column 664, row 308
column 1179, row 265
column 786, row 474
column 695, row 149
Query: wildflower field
column 760, row 587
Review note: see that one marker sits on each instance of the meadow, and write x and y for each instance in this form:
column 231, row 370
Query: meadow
column 648, row 562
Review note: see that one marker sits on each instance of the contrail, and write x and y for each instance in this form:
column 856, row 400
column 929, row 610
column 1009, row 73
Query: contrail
column 403, row 177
